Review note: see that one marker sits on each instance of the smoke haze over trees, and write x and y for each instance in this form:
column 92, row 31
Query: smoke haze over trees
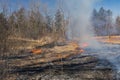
column 104, row 24
column 34, row 23
column 102, row 21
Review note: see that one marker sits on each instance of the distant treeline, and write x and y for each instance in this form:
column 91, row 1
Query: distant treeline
column 104, row 23
column 34, row 23
column 31, row 23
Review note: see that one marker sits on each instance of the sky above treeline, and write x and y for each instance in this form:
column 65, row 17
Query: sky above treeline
column 113, row 5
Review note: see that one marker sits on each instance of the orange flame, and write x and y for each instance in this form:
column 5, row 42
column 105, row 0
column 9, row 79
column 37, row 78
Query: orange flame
column 36, row 51
column 84, row 45
column 82, row 51
column 77, row 47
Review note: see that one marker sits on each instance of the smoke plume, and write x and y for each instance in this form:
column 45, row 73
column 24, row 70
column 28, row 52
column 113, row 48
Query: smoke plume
column 80, row 28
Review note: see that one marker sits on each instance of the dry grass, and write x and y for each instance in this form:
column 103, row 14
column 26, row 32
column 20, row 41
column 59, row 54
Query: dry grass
column 48, row 55
column 27, row 44
column 23, row 59
column 107, row 39
column 21, row 47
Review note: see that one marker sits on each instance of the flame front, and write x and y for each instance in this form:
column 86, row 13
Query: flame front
column 84, row 45
column 36, row 51
column 77, row 47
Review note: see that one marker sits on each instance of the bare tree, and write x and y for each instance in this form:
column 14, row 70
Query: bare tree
column 3, row 32
column 36, row 20
column 118, row 24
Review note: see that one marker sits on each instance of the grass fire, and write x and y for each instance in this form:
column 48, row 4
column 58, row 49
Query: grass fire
column 36, row 51
column 59, row 40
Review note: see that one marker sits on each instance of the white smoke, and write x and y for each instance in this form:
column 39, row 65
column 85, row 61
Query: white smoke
column 80, row 27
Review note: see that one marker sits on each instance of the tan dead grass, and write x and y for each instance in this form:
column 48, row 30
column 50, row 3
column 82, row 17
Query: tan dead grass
column 51, row 54
column 107, row 39
column 22, row 43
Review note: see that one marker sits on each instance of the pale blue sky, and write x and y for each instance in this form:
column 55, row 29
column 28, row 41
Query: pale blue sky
column 113, row 5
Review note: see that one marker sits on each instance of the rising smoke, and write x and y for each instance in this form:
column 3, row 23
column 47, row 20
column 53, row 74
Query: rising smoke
column 80, row 28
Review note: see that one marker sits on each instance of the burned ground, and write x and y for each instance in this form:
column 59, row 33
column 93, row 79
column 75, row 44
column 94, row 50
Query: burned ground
column 61, row 62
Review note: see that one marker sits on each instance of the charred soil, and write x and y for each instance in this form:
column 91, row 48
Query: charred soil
column 60, row 62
